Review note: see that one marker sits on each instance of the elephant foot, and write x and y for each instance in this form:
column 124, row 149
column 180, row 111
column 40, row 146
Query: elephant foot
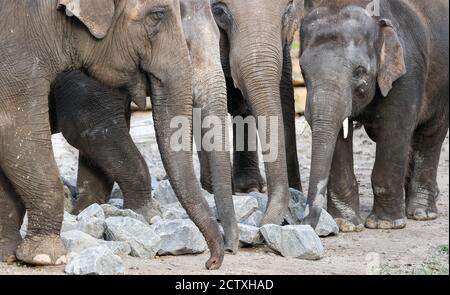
column 421, row 208
column 246, row 182
column 312, row 216
column 42, row 251
column 8, row 248
column 149, row 211
column 375, row 222
column 347, row 226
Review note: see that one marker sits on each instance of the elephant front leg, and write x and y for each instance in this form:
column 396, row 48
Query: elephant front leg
column 246, row 171
column 343, row 195
column 29, row 164
column 422, row 190
column 288, row 108
column 94, row 186
column 12, row 212
column 388, row 178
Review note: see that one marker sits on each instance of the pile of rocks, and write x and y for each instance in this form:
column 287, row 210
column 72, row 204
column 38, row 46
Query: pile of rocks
column 99, row 236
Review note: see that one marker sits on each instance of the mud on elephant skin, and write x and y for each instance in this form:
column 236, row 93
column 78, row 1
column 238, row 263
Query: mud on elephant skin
column 84, row 42
column 255, row 52
column 393, row 80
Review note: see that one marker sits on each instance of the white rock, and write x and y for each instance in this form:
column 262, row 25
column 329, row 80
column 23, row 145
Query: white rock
column 95, row 210
column 98, row 260
column 77, row 241
column 118, row 203
column 327, row 225
column 111, row 211
column 244, row 207
column 179, row 237
column 144, row 242
column 262, row 200
column 174, row 211
column 117, row 247
column 94, row 226
column 299, row 241
column 255, row 219
column 250, row 235
column 164, row 193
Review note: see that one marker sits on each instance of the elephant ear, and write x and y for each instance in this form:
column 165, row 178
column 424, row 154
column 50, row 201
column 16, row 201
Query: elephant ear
column 292, row 20
column 96, row 15
column 391, row 61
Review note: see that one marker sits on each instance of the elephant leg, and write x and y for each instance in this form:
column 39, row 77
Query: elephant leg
column 422, row 190
column 12, row 212
column 388, row 176
column 246, row 173
column 342, row 192
column 205, row 172
column 29, row 164
column 288, row 108
column 94, row 186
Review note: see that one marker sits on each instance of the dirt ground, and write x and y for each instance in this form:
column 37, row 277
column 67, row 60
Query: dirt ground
column 421, row 248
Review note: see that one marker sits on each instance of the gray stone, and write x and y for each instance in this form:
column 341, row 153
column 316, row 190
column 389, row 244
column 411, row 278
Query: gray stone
column 164, row 193
column 179, row 237
column 94, row 226
column 77, row 241
column 118, row 203
column 24, row 227
column 98, row 260
column 244, row 206
column 262, row 200
column 117, row 247
column 156, row 219
column 250, row 235
column 93, row 211
column 174, row 212
column 327, row 225
column 68, row 199
column 144, row 242
column 111, row 211
column 117, row 193
column 299, row 241
column 255, row 219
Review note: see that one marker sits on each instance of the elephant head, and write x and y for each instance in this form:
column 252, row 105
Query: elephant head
column 254, row 37
column 139, row 45
column 347, row 58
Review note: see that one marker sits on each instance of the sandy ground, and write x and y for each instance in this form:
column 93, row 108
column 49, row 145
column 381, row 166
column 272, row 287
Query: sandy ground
column 421, row 248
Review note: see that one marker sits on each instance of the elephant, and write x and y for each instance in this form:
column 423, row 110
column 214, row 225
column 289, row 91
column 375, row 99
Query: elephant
column 255, row 50
column 121, row 43
column 82, row 104
column 377, row 71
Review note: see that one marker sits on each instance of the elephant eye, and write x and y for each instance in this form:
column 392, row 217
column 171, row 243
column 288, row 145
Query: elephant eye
column 158, row 15
column 359, row 73
column 221, row 14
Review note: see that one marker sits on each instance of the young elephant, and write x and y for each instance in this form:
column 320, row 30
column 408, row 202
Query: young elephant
column 121, row 43
column 255, row 49
column 389, row 73
column 95, row 120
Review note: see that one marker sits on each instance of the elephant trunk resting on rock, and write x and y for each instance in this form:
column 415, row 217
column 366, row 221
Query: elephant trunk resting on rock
column 95, row 119
column 389, row 73
column 119, row 43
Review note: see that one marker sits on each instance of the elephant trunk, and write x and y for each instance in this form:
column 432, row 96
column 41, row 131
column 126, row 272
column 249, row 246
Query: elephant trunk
column 173, row 100
column 326, row 113
column 260, row 65
column 211, row 96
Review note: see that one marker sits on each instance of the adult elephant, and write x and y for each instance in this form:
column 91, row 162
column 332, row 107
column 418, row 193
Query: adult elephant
column 96, row 119
column 378, row 71
column 121, row 44
column 255, row 43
